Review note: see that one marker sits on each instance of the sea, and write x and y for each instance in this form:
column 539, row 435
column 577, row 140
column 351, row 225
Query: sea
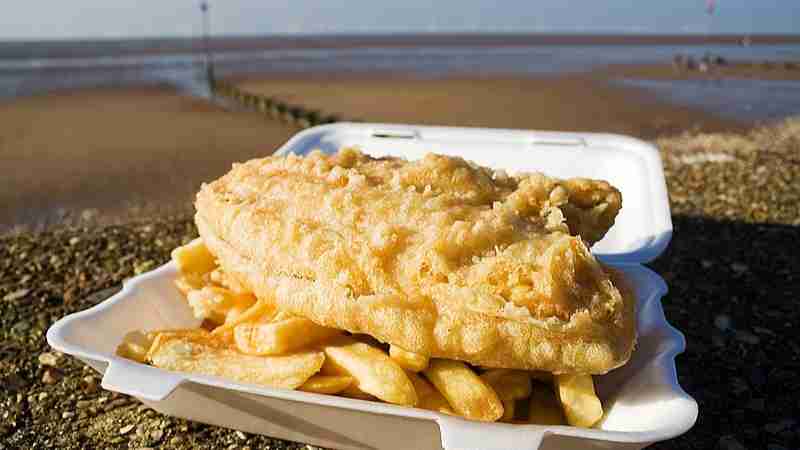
column 32, row 68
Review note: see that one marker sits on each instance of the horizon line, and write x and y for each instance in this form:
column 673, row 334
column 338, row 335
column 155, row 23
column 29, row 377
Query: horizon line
column 680, row 35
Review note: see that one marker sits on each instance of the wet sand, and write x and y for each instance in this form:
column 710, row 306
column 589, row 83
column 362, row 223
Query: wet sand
column 578, row 102
column 117, row 155
column 118, row 152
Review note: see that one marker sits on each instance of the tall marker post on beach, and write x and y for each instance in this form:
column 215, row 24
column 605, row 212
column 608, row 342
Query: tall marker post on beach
column 204, row 7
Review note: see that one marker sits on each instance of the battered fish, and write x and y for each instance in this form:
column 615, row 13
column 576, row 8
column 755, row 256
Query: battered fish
column 436, row 256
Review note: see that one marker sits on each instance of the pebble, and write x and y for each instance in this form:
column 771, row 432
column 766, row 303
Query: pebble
column 50, row 376
column 739, row 268
column 747, row 337
column 16, row 295
column 730, row 443
column 739, row 386
column 74, row 240
column 126, row 429
column 67, row 414
column 21, row 328
column 42, row 396
column 762, row 330
column 83, row 404
column 157, row 435
column 723, row 322
column 115, row 404
column 241, row 435
column 777, row 427
column 48, row 359
column 89, row 384
column 176, row 440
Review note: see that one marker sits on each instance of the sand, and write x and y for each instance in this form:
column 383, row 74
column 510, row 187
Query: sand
column 567, row 103
column 116, row 155
column 111, row 150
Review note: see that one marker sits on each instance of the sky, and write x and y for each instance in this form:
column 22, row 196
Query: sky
column 44, row 19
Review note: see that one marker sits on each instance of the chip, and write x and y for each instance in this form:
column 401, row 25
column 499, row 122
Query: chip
column 374, row 372
column 414, row 362
column 202, row 353
column 576, row 394
column 276, row 338
column 468, row 394
column 429, row 397
column 194, row 257
column 327, row 384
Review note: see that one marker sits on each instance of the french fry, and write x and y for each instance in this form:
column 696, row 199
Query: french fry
column 135, row 346
column 544, row 408
column 214, row 303
column 189, row 282
column 414, row 362
column 509, row 384
column 276, row 338
column 354, row 391
column 429, row 397
column 194, row 257
column 261, row 310
column 351, row 391
column 235, row 312
column 374, row 372
column 202, row 353
column 327, row 384
column 159, row 337
column 576, row 394
column 465, row 391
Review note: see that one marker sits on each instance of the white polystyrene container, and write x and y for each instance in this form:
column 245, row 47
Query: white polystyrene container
column 643, row 401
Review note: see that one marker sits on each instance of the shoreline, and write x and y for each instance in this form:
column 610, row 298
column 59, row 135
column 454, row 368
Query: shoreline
column 751, row 70
column 168, row 45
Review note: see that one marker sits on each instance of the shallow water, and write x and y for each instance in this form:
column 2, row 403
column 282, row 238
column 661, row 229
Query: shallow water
column 743, row 99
